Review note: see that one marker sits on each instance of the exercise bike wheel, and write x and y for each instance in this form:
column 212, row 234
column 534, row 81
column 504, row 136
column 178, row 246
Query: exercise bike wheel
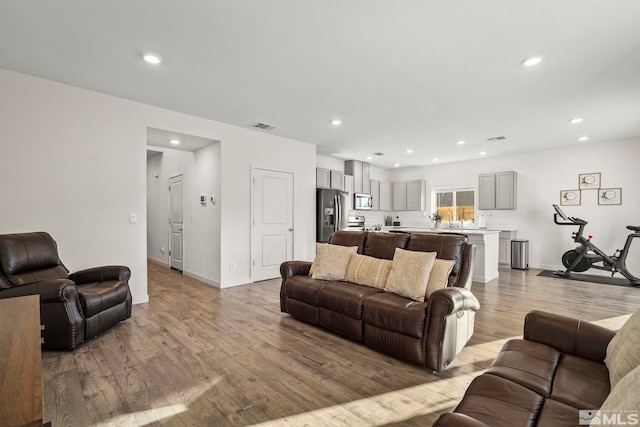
column 568, row 257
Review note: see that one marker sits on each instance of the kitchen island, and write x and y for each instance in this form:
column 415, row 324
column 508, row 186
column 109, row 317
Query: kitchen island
column 485, row 265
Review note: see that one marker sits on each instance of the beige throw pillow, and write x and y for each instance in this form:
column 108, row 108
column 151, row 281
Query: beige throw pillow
column 410, row 271
column 439, row 277
column 331, row 261
column 368, row 270
column 623, row 351
column 623, row 398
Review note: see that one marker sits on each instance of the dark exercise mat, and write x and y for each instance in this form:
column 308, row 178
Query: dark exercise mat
column 617, row 281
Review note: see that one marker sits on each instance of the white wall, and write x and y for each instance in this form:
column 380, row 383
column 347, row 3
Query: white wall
column 74, row 164
column 541, row 177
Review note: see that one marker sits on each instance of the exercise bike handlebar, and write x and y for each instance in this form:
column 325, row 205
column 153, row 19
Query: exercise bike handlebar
column 568, row 220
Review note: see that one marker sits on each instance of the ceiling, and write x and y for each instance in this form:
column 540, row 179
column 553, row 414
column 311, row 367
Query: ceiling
column 414, row 74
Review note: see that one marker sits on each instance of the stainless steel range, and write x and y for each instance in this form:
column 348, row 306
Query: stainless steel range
column 355, row 223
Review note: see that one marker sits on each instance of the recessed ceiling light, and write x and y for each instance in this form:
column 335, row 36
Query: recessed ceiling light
column 397, row 165
column 583, row 138
column 336, row 122
column 152, row 59
column 576, row 120
column 531, row 61
column 435, row 159
column 369, row 157
column 483, row 153
column 175, row 141
column 460, row 142
column 409, row 151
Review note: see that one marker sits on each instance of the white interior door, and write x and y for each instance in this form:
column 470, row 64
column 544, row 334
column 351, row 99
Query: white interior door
column 176, row 223
column 272, row 222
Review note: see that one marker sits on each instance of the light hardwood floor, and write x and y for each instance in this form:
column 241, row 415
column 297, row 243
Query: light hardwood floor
column 196, row 355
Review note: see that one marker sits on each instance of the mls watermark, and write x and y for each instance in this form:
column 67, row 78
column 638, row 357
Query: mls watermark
column 595, row 417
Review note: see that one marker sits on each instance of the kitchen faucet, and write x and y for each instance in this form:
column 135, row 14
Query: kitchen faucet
column 450, row 216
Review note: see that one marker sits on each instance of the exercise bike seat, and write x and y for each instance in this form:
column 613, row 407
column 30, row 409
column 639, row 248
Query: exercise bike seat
column 635, row 228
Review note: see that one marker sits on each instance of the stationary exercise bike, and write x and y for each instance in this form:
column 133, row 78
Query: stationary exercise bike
column 586, row 255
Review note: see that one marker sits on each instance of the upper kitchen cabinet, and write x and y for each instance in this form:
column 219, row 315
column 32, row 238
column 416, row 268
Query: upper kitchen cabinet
column 337, row 178
column 360, row 173
column 386, row 198
column 408, row 195
column 323, row 178
column 326, row 178
column 497, row 190
column 375, row 194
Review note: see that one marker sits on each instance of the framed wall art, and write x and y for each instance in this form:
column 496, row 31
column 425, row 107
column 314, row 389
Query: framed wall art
column 589, row 181
column 570, row 198
column 610, row 196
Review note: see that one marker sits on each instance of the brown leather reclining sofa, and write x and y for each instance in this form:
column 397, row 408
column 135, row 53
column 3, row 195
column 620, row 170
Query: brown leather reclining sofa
column 429, row 333
column 545, row 379
column 73, row 307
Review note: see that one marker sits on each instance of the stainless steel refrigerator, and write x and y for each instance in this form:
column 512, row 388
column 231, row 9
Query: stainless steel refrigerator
column 331, row 213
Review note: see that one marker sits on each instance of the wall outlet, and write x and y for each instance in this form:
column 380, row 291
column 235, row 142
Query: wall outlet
column 162, row 250
column 232, row 266
column 133, row 218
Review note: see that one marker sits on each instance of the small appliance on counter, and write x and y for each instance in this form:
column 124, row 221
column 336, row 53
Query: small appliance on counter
column 387, row 221
column 396, row 223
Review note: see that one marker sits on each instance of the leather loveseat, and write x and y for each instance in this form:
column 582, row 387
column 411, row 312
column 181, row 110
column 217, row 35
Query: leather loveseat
column 73, row 307
column 560, row 374
column 428, row 333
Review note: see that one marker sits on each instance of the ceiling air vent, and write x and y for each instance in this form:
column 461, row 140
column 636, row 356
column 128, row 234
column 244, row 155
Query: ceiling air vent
column 263, row 126
column 378, row 154
column 497, row 138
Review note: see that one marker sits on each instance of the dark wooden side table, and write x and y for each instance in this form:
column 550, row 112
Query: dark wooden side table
column 20, row 362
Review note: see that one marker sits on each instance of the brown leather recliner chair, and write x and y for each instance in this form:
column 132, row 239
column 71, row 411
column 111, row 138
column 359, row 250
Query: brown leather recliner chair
column 73, row 307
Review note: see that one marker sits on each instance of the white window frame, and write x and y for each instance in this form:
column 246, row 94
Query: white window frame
column 437, row 190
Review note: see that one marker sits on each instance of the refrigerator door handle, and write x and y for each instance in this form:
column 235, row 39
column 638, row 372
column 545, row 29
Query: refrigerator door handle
column 336, row 220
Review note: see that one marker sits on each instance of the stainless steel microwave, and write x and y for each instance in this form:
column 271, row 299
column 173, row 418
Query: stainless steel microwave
column 362, row 201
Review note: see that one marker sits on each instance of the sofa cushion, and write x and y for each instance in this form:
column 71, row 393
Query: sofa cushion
column 409, row 274
column 556, row 413
column 383, row 245
column 623, row 351
column 528, row 363
column 368, row 271
column 395, row 313
column 447, row 246
column 100, row 296
column 349, row 238
column 305, row 289
column 345, row 298
column 439, row 277
column 331, row 261
column 499, row 402
column 580, row 382
column 624, row 396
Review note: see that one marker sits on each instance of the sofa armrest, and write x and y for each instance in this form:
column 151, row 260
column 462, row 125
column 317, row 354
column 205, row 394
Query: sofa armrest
column 455, row 419
column 100, row 274
column 568, row 334
column 294, row 268
column 50, row 291
column 449, row 325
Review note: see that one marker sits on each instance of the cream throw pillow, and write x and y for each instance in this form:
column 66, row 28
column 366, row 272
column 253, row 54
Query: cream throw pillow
column 331, row 261
column 439, row 277
column 410, row 271
column 623, row 351
column 623, row 397
column 368, row 270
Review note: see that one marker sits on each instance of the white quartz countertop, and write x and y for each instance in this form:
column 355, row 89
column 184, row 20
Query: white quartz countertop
column 418, row 229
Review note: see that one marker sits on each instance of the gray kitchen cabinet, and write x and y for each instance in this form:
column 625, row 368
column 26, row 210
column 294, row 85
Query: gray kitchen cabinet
column 386, row 198
column 348, row 187
column 323, row 178
column 375, row 194
column 366, row 181
column 360, row 173
column 400, row 196
column 337, row 178
column 415, row 195
column 497, row 190
column 504, row 247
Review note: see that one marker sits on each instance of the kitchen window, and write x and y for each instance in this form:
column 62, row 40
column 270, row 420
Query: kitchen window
column 455, row 204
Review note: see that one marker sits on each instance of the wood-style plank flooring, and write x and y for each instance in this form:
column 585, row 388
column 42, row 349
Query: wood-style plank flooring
column 196, row 355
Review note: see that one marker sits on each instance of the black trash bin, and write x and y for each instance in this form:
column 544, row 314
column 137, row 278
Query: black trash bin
column 520, row 254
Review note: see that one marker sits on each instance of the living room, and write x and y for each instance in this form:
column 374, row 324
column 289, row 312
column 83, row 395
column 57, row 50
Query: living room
column 75, row 165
